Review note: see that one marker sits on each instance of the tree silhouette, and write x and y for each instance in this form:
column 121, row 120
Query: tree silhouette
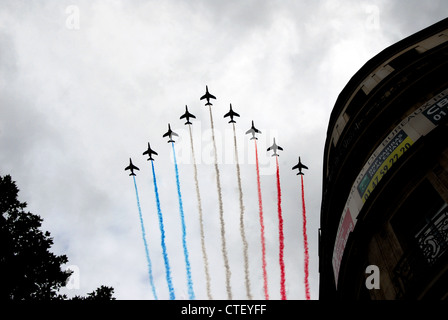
column 102, row 293
column 27, row 268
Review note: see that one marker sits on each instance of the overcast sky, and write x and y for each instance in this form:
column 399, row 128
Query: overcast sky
column 84, row 85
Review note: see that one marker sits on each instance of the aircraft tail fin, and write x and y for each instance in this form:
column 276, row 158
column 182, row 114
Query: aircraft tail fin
column 232, row 121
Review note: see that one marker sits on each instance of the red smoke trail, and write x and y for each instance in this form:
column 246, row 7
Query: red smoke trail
column 305, row 245
column 263, row 245
column 281, row 237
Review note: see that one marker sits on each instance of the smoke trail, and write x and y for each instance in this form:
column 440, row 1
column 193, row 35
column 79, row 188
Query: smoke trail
column 184, row 231
column 281, row 237
column 243, row 235
column 201, row 223
column 151, row 280
column 162, row 241
column 263, row 245
column 221, row 212
column 305, row 244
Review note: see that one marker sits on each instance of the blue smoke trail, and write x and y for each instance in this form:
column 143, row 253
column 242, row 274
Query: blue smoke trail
column 162, row 231
column 184, row 232
column 151, row 280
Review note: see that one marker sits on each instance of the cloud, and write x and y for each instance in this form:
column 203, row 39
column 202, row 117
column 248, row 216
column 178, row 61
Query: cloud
column 77, row 103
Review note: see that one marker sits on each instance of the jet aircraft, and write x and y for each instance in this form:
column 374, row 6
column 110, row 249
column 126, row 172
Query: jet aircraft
column 300, row 166
column 207, row 96
column 187, row 115
column 131, row 167
column 149, row 152
column 231, row 114
column 170, row 133
column 275, row 147
column 253, row 130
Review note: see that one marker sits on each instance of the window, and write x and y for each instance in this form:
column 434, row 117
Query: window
column 421, row 205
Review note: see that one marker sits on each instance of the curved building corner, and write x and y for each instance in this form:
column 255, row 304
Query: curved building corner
column 384, row 213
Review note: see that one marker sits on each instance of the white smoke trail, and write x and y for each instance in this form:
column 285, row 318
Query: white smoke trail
column 201, row 222
column 221, row 213
column 243, row 234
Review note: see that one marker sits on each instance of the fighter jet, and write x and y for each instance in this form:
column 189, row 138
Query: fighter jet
column 131, row 167
column 170, row 133
column 253, row 130
column 187, row 115
column 275, row 147
column 149, row 152
column 231, row 114
column 207, row 96
column 300, row 166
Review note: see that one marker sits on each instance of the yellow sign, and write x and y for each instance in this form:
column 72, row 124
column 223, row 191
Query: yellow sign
column 386, row 165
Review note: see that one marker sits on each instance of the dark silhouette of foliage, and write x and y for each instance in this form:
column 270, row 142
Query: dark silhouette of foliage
column 29, row 271
column 102, row 293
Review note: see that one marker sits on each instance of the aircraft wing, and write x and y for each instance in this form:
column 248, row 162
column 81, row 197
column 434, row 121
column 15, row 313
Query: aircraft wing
column 279, row 148
column 187, row 114
column 249, row 131
column 231, row 113
column 295, row 167
column 166, row 134
column 129, row 167
column 149, row 152
column 304, row 166
column 270, row 148
column 174, row 133
column 208, row 96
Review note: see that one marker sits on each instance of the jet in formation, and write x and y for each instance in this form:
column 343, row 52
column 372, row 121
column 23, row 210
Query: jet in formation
column 208, row 96
column 131, row 167
column 187, row 115
column 170, row 133
column 231, row 114
column 253, row 130
column 275, row 147
column 149, row 152
column 300, row 166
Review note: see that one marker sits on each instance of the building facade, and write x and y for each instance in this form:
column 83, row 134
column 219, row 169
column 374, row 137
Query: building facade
column 384, row 213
